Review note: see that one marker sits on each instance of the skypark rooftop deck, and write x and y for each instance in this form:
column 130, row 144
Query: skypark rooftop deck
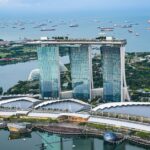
column 78, row 41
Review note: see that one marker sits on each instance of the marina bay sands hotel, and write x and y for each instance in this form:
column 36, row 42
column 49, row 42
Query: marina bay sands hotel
column 113, row 67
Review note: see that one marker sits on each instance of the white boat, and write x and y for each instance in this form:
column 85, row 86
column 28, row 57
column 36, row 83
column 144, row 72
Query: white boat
column 137, row 34
column 73, row 25
column 106, row 29
column 130, row 31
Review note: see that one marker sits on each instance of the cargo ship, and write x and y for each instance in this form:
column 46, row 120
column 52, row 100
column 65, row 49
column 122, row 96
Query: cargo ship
column 106, row 29
column 48, row 29
column 18, row 127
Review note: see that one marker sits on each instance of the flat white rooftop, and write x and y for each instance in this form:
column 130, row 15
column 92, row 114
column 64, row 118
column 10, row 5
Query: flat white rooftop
column 78, row 41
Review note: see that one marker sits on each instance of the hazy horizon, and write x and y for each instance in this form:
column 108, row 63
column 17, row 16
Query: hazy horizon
column 37, row 7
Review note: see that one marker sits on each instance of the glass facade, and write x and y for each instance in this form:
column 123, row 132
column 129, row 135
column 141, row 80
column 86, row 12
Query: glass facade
column 48, row 59
column 112, row 77
column 81, row 72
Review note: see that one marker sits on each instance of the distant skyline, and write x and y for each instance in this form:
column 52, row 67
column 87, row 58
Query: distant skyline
column 56, row 6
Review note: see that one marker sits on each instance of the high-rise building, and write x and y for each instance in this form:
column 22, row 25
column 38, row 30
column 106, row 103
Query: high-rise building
column 113, row 73
column 79, row 51
column 81, row 68
column 48, row 60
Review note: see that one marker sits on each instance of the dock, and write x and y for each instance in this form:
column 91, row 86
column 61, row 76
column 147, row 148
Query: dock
column 139, row 141
column 68, row 130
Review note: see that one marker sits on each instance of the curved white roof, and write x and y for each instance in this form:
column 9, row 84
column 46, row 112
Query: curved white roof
column 60, row 101
column 35, row 73
column 19, row 99
column 119, row 104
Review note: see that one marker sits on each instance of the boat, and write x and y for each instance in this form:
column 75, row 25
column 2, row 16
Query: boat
column 127, row 26
column 22, row 28
column 148, row 21
column 43, row 24
column 19, row 127
column 130, row 31
column 106, row 29
column 74, row 25
column 47, row 29
column 115, row 25
column 40, row 25
column 137, row 34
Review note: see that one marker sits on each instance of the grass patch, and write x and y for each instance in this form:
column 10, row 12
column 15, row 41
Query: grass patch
column 30, row 119
column 143, row 135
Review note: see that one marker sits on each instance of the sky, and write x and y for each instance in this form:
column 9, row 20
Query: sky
column 40, row 6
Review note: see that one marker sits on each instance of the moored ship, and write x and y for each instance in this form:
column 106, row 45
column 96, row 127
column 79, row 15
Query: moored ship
column 18, row 127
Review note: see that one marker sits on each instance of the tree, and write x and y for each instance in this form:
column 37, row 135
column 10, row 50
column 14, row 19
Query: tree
column 1, row 90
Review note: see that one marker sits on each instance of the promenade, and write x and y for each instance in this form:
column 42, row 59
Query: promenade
column 123, row 123
column 120, row 123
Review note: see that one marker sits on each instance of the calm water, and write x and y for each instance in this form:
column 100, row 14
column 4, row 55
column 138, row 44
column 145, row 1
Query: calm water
column 11, row 74
column 87, row 27
column 44, row 141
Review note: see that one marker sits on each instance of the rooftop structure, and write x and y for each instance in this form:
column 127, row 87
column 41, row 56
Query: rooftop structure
column 128, row 108
column 70, row 105
column 78, row 41
column 21, row 103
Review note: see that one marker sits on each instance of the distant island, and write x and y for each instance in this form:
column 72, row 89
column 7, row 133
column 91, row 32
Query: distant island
column 11, row 53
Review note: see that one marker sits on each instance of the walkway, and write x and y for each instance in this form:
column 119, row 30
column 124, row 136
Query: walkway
column 120, row 123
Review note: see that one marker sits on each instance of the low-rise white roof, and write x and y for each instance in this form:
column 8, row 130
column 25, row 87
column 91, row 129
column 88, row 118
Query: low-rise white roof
column 60, row 101
column 119, row 104
column 33, row 100
column 57, row 115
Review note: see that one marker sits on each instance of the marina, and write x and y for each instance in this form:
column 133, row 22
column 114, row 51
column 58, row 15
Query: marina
column 38, row 140
column 74, row 75
column 24, row 130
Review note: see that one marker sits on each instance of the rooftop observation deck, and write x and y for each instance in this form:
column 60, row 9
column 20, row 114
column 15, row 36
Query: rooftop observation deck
column 77, row 41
